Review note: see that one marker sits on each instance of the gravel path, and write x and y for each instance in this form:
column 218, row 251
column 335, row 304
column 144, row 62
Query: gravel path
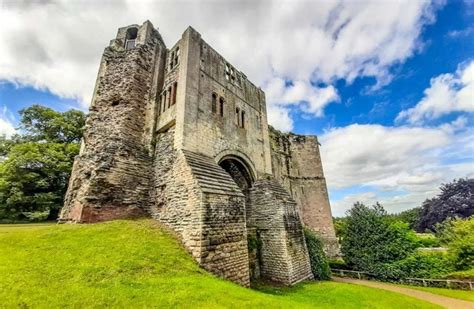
column 446, row 302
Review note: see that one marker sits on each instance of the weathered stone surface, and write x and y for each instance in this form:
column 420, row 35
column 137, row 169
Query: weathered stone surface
column 297, row 166
column 181, row 135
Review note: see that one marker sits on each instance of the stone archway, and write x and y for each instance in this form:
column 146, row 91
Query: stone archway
column 242, row 174
column 239, row 170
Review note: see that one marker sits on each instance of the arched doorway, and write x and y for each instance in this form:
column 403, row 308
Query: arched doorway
column 239, row 171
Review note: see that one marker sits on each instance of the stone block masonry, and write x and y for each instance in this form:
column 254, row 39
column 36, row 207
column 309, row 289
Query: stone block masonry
column 181, row 135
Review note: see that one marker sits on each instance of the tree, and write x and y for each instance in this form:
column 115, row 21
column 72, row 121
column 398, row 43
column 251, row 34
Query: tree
column 45, row 124
column 455, row 200
column 371, row 238
column 458, row 235
column 36, row 165
column 410, row 216
column 340, row 225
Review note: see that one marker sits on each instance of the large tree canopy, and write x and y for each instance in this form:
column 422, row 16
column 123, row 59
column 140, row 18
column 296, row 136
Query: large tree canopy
column 455, row 200
column 36, row 165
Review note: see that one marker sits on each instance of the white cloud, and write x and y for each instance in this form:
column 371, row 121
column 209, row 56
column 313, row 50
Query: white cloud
column 7, row 127
column 447, row 93
column 56, row 45
column 413, row 160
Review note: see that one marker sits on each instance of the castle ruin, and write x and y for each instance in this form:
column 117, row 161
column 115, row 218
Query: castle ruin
column 181, row 135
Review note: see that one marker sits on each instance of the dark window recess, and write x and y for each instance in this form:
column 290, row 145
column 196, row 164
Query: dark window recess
column 131, row 38
column 169, row 96
column 175, row 88
column 221, row 106
column 242, row 124
column 237, row 116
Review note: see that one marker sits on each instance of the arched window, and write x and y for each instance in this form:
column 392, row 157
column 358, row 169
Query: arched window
column 237, row 116
column 175, row 88
column 171, row 60
column 131, row 37
column 214, row 103
column 221, row 106
column 242, row 123
column 176, row 56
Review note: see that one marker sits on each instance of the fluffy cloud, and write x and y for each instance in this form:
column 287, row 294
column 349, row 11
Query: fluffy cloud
column 56, row 45
column 6, row 122
column 447, row 93
column 390, row 160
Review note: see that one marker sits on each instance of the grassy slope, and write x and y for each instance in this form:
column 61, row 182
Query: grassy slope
column 135, row 263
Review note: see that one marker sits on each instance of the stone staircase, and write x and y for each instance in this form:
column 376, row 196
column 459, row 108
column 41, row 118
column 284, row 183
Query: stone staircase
column 211, row 177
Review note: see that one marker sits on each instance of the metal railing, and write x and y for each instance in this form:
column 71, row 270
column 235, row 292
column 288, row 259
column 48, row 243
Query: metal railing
column 439, row 283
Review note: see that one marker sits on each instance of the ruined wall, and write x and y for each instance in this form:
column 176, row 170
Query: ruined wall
column 297, row 166
column 279, row 233
column 111, row 176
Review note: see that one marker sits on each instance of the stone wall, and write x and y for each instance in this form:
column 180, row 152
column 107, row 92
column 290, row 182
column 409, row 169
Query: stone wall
column 297, row 166
column 279, row 232
column 212, row 132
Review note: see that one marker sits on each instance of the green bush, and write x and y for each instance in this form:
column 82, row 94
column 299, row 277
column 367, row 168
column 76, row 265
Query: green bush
column 428, row 241
column 372, row 238
column 416, row 265
column 318, row 260
column 462, row 275
column 338, row 264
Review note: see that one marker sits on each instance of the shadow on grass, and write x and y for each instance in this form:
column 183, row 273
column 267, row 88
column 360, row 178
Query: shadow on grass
column 273, row 288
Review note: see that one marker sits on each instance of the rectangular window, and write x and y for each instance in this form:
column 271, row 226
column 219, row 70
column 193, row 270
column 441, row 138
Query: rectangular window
column 175, row 89
column 129, row 44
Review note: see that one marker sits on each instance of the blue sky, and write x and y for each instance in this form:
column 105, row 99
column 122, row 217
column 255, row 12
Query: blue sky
column 387, row 86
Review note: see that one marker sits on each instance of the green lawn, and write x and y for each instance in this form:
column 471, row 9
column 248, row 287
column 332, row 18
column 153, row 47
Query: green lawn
column 137, row 264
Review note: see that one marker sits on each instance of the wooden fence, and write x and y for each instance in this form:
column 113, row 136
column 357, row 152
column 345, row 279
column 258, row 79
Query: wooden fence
column 439, row 283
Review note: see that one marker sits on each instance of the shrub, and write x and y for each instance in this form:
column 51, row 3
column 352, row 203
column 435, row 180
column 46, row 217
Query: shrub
column 461, row 243
column 371, row 238
column 318, row 260
column 428, row 241
column 338, row 264
column 416, row 265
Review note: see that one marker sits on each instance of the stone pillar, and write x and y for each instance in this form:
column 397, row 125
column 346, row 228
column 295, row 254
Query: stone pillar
column 283, row 254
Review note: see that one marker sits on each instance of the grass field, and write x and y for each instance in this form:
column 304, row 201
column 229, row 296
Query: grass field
column 137, row 264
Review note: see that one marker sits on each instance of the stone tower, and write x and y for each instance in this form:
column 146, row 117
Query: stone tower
column 181, row 135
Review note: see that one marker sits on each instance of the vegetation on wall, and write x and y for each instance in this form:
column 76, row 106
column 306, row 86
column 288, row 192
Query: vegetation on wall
column 319, row 263
column 37, row 163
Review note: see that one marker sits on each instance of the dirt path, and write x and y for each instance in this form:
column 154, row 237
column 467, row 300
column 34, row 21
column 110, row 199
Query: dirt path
column 446, row 302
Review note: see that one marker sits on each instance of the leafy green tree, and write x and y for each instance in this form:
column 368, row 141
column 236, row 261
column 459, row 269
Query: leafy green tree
column 372, row 238
column 45, row 124
column 458, row 235
column 340, row 225
column 410, row 216
column 319, row 263
column 36, row 165
column 455, row 200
